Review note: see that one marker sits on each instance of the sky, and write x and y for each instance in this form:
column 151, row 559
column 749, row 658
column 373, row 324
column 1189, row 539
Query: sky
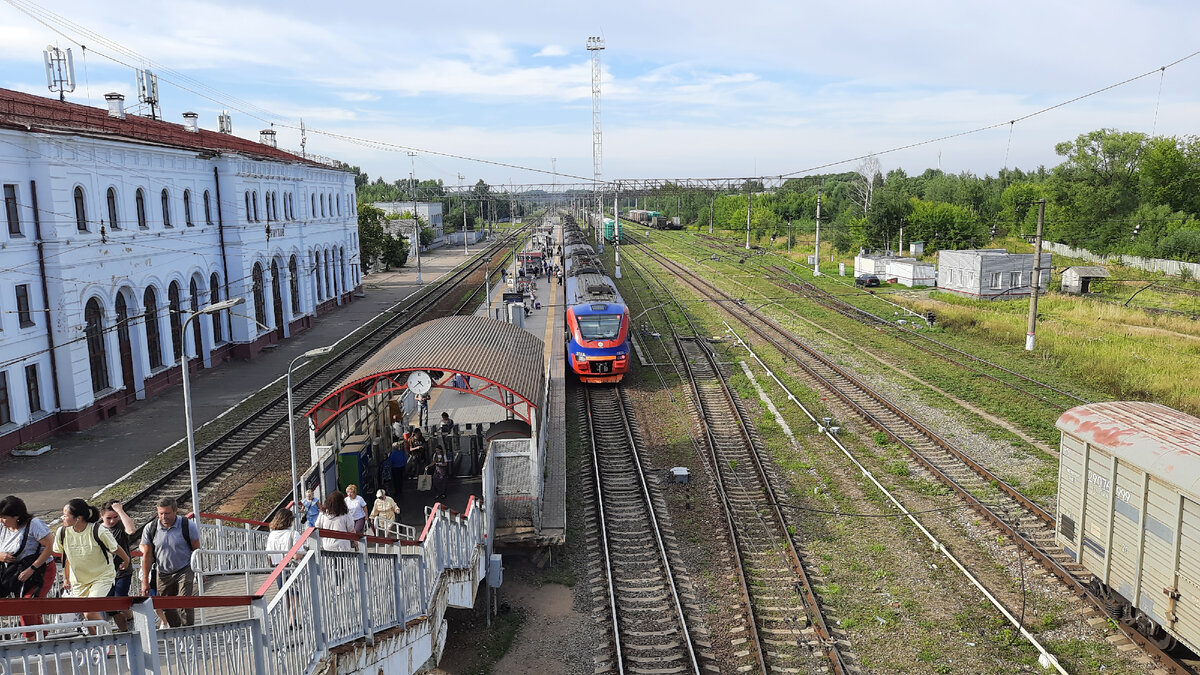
column 696, row 89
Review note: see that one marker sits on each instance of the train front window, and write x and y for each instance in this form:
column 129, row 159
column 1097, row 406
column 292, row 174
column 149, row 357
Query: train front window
column 599, row 326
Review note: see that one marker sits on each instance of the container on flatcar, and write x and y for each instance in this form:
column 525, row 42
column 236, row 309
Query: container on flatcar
column 1129, row 511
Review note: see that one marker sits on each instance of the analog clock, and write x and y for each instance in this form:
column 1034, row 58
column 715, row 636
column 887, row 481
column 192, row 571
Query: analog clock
column 419, row 382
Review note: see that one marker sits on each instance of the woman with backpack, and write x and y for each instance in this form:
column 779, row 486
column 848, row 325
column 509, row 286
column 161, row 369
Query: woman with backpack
column 26, row 568
column 87, row 553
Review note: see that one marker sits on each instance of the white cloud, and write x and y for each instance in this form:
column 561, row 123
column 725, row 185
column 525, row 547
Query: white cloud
column 551, row 50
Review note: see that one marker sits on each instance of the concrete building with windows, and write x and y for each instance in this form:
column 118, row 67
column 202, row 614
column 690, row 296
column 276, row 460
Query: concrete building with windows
column 990, row 273
column 118, row 227
column 430, row 212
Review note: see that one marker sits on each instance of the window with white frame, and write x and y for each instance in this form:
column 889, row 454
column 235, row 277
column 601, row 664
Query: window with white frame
column 1014, row 279
column 12, row 212
column 997, row 280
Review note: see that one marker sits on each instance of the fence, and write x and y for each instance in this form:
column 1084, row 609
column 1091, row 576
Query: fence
column 1171, row 267
column 328, row 598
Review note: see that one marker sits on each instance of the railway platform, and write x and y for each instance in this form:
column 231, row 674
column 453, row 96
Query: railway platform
column 81, row 464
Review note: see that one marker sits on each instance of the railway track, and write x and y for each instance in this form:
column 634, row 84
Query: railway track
column 649, row 626
column 1029, row 525
column 786, row 629
column 235, row 448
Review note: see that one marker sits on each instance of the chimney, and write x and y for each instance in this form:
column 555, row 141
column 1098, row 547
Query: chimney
column 267, row 137
column 191, row 122
column 116, row 105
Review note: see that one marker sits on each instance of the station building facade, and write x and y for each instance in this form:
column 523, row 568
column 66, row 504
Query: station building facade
column 118, row 227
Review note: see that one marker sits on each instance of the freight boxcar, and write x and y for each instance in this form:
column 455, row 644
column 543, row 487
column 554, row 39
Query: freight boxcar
column 1129, row 511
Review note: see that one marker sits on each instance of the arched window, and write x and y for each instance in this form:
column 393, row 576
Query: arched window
column 317, row 275
column 207, row 209
column 175, row 314
column 275, row 205
column 113, row 223
column 254, row 203
column 187, row 208
column 93, row 318
column 166, row 204
column 328, row 277
column 195, row 307
column 313, row 210
column 214, row 295
column 267, row 205
column 260, row 304
column 294, row 283
column 337, row 286
column 140, row 198
column 153, row 343
column 339, row 204
column 80, row 210
column 248, row 212
column 322, row 206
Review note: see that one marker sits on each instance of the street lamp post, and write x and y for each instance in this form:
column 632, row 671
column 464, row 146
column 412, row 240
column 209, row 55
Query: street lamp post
column 187, row 397
column 296, row 490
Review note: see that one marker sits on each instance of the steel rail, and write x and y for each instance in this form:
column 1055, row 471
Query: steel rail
column 627, row 437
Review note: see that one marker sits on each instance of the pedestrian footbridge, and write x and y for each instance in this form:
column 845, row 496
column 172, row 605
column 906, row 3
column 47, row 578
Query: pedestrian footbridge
column 379, row 608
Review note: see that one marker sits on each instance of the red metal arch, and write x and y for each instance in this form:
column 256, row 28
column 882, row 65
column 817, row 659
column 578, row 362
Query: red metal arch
column 330, row 408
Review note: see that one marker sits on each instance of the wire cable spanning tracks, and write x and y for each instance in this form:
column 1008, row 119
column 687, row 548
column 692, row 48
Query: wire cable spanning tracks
column 650, row 633
column 1029, row 525
column 241, row 442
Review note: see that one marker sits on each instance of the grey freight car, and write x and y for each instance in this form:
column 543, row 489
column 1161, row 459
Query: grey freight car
column 1129, row 511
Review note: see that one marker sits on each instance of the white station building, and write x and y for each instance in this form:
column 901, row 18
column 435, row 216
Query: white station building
column 117, row 227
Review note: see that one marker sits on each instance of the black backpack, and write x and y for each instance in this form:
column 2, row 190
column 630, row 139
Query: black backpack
column 184, row 529
column 11, row 585
column 62, row 536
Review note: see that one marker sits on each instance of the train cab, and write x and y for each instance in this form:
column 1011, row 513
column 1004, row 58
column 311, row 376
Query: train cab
column 598, row 348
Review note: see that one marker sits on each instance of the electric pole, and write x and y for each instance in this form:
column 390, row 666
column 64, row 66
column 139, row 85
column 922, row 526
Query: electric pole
column 749, row 202
column 617, row 231
column 712, row 204
column 412, row 179
column 817, row 258
column 464, row 205
column 1036, row 278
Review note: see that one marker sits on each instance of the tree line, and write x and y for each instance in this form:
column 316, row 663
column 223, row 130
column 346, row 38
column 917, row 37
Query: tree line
column 1114, row 192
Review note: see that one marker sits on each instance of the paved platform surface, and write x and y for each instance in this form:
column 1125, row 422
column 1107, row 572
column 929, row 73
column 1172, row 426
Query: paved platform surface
column 84, row 462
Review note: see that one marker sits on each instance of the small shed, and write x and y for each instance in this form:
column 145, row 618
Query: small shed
column 871, row 263
column 1077, row 280
column 910, row 272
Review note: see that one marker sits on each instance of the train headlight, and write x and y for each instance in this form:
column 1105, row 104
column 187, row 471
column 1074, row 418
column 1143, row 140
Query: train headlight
column 622, row 356
column 581, row 357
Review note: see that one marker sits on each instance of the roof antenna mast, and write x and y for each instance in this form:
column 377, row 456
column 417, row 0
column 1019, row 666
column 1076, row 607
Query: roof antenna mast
column 147, row 83
column 60, row 71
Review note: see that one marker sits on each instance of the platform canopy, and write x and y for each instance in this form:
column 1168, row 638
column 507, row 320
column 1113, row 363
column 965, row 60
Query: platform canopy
column 505, row 365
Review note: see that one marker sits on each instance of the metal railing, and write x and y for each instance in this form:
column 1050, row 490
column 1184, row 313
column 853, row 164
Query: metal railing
column 328, row 598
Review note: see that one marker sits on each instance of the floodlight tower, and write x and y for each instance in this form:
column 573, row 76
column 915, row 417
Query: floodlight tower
column 595, row 45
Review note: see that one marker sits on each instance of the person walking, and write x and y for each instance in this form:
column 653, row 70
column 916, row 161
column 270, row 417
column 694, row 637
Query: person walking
column 281, row 539
column 357, row 507
column 167, row 545
column 384, row 509
column 441, row 469
column 417, row 451
column 27, row 569
column 447, row 425
column 396, row 460
column 422, row 408
column 312, row 508
column 87, row 551
column 336, row 517
column 114, row 518
column 397, row 428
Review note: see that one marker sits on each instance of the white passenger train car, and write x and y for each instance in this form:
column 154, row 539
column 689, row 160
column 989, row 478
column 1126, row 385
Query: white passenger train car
column 1129, row 511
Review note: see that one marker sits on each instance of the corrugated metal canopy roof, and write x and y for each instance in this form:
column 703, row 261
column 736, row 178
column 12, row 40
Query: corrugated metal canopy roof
column 478, row 346
column 1160, row 440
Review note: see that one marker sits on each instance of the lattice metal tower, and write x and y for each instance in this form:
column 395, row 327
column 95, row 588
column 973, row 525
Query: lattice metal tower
column 596, row 45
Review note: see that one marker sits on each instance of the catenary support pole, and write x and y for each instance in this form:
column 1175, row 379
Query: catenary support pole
column 749, row 204
column 1035, row 279
column 817, row 257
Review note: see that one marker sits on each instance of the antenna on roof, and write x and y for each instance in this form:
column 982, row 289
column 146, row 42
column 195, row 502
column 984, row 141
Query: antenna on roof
column 303, row 139
column 60, row 71
column 147, row 83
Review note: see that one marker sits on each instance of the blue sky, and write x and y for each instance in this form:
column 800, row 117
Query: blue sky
column 697, row 89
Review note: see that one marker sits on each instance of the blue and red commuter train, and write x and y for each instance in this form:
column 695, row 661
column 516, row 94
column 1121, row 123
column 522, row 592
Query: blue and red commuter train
column 597, row 318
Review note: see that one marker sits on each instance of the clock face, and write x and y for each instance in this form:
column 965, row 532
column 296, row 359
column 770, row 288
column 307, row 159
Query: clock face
column 419, row 382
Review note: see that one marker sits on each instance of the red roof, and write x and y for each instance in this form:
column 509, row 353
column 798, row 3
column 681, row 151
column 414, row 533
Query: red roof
column 28, row 112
